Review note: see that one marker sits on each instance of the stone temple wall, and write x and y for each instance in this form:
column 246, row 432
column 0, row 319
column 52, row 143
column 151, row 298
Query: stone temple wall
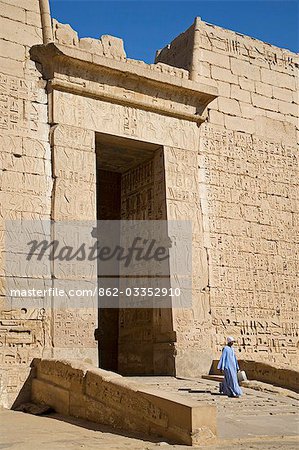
column 248, row 184
column 241, row 199
column 25, row 182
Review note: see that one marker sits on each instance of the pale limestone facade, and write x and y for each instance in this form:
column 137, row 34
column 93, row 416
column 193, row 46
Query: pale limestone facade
column 248, row 154
column 213, row 129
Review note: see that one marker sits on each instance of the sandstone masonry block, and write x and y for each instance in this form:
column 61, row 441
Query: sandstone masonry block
column 216, row 59
column 204, row 69
column 223, row 89
column 288, row 108
column 35, row 147
column 73, row 137
column 263, row 89
column 264, row 102
column 92, row 45
column 208, row 81
column 64, row 34
column 12, row 12
column 49, row 394
column 229, row 106
column 68, row 163
column 247, row 85
column 240, row 94
column 214, row 105
column 218, row 73
column 21, row 34
column 277, row 131
column 291, row 119
column 113, row 47
column 29, row 5
column 245, row 69
column 282, row 80
column 247, row 110
column 33, row 18
column 21, row 164
column 239, row 124
column 11, row 67
column 216, row 117
column 11, row 50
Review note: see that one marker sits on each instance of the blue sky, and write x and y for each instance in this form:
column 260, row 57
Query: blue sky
column 146, row 26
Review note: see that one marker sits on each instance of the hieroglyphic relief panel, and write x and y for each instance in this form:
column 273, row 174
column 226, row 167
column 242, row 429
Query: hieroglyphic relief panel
column 193, row 325
column 117, row 120
column 248, row 183
column 22, row 105
column 74, row 205
column 25, row 190
column 248, row 49
column 142, row 198
column 74, row 164
column 22, row 335
column 143, row 191
column 249, row 211
column 106, row 84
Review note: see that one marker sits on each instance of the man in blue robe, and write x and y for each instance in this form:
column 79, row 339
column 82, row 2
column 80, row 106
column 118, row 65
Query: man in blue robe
column 229, row 365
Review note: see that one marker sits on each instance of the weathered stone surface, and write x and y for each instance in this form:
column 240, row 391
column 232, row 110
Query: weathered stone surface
column 248, row 158
column 141, row 126
column 282, row 80
column 240, row 94
column 12, row 12
column 113, row 47
column 108, row 46
column 20, row 33
column 229, row 106
column 64, row 34
column 11, row 50
column 260, row 371
column 76, row 389
column 218, row 73
column 245, row 69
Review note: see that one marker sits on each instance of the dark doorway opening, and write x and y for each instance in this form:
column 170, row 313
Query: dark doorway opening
column 108, row 208
column 131, row 186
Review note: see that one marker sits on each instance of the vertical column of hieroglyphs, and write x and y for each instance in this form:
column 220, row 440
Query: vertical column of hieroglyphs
column 142, row 198
column 248, row 166
column 25, row 184
column 74, row 219
column 192, row 325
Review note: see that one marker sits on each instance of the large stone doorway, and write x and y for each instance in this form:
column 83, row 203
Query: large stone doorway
column 131, row 186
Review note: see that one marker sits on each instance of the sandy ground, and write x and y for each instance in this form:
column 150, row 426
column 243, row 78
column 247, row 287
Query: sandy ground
column 258, row 420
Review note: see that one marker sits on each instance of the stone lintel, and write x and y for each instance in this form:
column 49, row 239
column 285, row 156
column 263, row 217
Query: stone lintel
column 85, row 68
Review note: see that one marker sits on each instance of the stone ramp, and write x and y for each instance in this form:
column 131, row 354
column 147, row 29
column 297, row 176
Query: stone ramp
column 76, row 389
column 269, row 412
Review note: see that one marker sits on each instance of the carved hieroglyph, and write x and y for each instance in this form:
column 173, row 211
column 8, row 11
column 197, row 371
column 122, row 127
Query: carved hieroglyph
column 193, row 325
column 249, row 215
column 248, row 164
column 234, row 178
column 74, row 199
column 117, row 120
column 25, row 189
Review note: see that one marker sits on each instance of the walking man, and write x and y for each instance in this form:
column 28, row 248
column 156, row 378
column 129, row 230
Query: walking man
column 229, row 365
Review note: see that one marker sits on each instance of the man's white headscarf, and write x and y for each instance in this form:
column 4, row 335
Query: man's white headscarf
column 230, row 339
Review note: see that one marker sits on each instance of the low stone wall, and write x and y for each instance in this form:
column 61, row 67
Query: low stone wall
column 285, row 378
column 77, row 389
